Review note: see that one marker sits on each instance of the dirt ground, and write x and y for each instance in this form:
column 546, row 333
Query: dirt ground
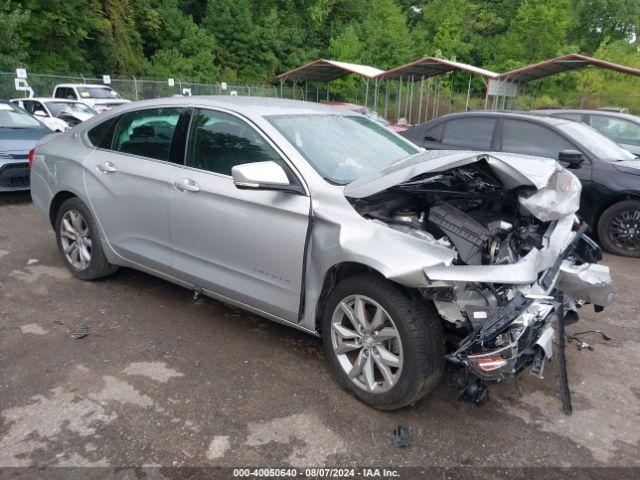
column 162, row 379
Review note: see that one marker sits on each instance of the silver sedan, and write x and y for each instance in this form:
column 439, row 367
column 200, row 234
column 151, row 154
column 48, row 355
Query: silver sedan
column 323, row 220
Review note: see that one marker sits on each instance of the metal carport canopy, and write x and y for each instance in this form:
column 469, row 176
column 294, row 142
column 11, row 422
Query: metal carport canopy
column 561, row 64
column 432, row 66
column 327, row 70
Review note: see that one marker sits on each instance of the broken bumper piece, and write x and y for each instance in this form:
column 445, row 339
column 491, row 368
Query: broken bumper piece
column 513, row 338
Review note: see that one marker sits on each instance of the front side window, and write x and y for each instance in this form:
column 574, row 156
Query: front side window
column 474, row 132
column 342, row 148
column 219, row 141
column 532, row 139
column 147, row 133
column 617, row 129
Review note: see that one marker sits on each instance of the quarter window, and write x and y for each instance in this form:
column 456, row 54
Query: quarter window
column 102, row 134
column 147, row 133
column 474, row 132
column 532, row 139
column 219, row 141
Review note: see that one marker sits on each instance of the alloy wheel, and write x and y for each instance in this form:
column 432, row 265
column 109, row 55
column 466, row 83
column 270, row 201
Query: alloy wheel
column 367, row 343
column 75, row 239
column 624, row 230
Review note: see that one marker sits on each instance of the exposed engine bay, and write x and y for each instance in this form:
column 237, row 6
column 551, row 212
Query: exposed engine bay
column 498, row 321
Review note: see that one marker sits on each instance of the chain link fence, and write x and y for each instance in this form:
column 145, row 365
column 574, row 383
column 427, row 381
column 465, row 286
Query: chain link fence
column 408, row 102
column 133, row 88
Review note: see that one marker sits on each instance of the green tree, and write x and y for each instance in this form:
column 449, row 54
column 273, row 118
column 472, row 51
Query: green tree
column 596, row 21
column 537, row 32
column 12, row 47
column 61, row 36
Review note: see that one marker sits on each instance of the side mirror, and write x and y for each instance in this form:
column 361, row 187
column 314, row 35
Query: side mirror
column 40, row 113
column 261, row 176
column 572, row 158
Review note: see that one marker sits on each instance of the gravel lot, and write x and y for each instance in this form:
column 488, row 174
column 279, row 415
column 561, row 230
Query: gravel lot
column 162, row 379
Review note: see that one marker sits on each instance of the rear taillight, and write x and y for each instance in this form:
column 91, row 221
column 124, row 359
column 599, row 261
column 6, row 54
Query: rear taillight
column 32, row 153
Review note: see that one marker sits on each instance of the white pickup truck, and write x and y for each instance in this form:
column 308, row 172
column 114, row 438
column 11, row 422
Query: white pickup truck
column 98, row 97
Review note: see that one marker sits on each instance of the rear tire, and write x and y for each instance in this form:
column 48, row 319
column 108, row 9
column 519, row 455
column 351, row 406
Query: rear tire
column 416, row 345
column 619, row 229
column 79, row 242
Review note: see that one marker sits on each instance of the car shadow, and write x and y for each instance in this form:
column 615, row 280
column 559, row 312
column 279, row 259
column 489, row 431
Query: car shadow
column 15, row 198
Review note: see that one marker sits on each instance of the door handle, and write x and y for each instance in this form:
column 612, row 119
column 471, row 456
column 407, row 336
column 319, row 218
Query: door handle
column 186, row 185
column 107, row 167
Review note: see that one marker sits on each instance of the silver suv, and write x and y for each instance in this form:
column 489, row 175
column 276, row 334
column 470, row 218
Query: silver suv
column 323, row 220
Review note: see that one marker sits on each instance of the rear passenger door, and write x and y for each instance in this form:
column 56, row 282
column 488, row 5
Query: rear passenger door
column 128, row 180
column 465, row 133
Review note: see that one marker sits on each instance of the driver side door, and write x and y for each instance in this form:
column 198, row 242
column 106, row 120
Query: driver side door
column 246, row 245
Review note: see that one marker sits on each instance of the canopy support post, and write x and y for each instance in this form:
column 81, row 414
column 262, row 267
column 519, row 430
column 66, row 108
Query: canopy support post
column 426, row 107
column 375, row 95
column 410, row 115
column 398, row 112
column 386, row 98
column 366, row 92
column 421, row 97
column 466, row 107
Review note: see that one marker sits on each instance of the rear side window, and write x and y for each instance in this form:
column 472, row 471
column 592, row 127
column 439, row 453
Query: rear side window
column 532, row 139
column 219, row 141
column 102, row 134
column 65, row 92
column 474, row 132
column 147, row 133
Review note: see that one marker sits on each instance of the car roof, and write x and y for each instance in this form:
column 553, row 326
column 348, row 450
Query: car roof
column 516, row 115
column 248, row 106
column 69, row 85
column 605, row 113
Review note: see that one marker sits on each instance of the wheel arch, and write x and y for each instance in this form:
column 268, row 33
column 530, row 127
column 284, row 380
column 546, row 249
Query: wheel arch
column 56, row 202
column 339, row 272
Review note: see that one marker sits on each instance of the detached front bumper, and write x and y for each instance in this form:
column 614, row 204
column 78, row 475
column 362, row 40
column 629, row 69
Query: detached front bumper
column 519, row 334
column 513, row 338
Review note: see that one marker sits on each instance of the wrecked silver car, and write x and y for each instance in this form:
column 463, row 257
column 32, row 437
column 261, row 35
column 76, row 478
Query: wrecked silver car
column 402, row 260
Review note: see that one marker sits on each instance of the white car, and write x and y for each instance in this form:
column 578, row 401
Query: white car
column 57, row 114
column 99, row 97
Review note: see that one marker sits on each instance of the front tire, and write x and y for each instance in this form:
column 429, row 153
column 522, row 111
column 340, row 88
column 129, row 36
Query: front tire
column 619, row 229
column 384, row 345
column 79, row 242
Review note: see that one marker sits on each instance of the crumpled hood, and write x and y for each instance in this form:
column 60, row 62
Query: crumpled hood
column 511, row 169
column 558, row 190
